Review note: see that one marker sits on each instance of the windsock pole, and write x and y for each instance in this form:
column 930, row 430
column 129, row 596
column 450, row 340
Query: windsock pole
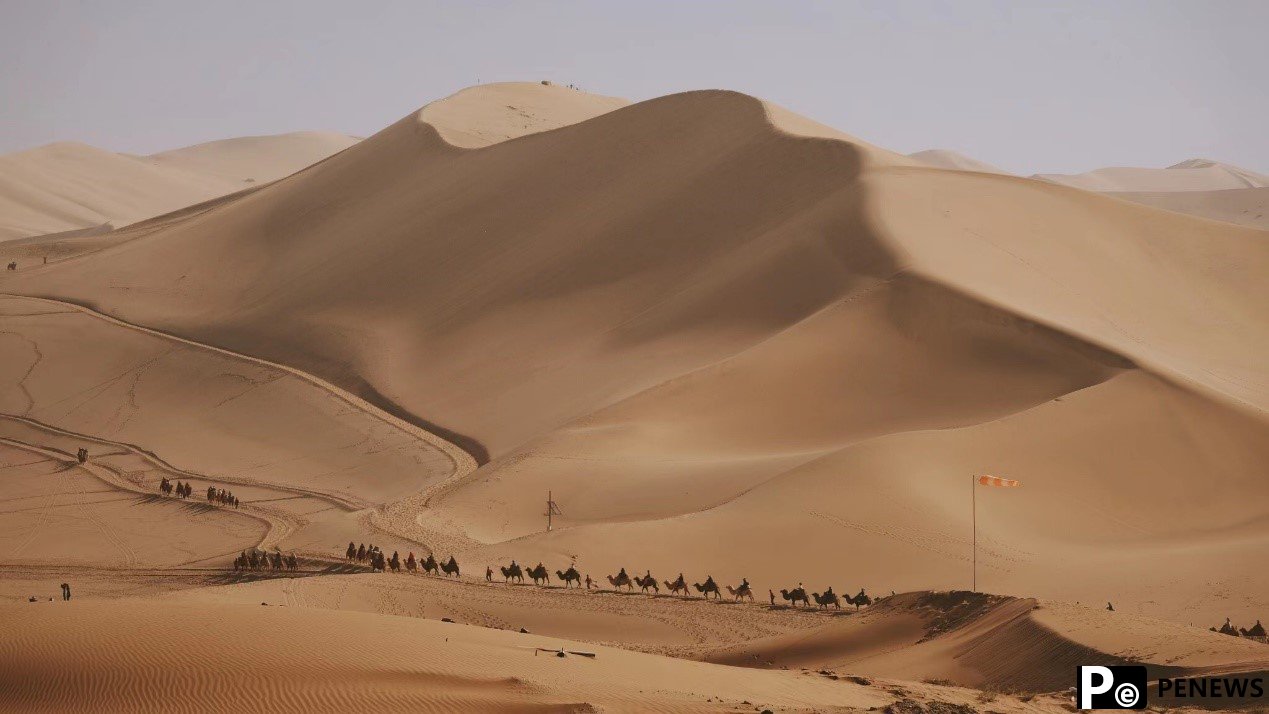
column 974, row 483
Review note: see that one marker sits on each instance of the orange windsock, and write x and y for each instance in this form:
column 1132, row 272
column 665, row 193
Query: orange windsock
column 998, row 481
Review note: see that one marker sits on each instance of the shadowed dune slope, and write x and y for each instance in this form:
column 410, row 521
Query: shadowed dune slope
column 996, row 643
column 729, row 339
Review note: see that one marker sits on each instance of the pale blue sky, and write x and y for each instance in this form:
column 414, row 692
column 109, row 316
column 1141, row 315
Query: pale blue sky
column 1029, row 86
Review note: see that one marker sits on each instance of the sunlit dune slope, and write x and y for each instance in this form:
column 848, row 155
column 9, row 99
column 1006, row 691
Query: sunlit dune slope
column 70, row 186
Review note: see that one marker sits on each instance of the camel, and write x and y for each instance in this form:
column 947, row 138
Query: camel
column 395, row 562
column 859, row 599
column 512, row 573
column 677, row 585
column 709, row 587
column 539, row 574
column 827, row 599
column 621, row 581
column 569, row 576
column 429, row 565
column 410, row 563
column 647, row 582
column 797, row 596
column 742, row 592
column 450, row 567
column 292, row 564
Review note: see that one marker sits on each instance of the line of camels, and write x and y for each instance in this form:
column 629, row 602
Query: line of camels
column 796, row 597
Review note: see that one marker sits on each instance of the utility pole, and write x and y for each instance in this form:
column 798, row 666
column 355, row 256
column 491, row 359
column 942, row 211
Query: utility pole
column 551, row 510
column 973, row 490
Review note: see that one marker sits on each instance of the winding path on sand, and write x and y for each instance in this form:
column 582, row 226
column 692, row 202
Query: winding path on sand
column 401, row 518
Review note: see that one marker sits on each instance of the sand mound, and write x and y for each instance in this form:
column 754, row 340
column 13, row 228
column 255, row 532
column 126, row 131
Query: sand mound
column 1243, row 206
column 69, row 186
column 947, row 159
column 491, row 113
column 996, row 643
column 1191, row 175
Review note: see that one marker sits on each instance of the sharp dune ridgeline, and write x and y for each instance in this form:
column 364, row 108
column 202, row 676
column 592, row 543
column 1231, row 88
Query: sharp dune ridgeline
column 730, row 341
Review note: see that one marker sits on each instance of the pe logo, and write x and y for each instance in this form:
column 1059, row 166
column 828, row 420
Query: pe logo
column 1121, row 687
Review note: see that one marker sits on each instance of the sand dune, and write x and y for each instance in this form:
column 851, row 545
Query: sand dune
column 947, row 159
column 1244, row 206
column 729, row 340
column 1189, row 175
column 593, row 311
column 254, row 658
column 69, row 186
column 1001, row 643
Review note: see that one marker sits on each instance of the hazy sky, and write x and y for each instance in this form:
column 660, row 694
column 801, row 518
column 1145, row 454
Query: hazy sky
column 1028, row 86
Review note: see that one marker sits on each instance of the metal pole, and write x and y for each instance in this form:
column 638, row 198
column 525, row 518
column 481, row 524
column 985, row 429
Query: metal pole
column 973, row 489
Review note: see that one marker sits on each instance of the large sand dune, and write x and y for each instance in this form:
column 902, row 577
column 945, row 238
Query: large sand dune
column 594, row 311
column 729, row 340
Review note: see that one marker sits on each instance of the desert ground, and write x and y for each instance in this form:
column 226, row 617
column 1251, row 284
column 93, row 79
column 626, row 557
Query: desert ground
column 730, row 342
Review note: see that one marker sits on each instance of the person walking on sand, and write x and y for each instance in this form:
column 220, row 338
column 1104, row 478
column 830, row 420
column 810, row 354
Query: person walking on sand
column 771, row 595
column 66, row 591
column 488, row 574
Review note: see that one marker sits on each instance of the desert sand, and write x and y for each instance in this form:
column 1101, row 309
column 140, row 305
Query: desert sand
column 70, row 186
column 728, row 340
column 948, row 159
column 1197, row 187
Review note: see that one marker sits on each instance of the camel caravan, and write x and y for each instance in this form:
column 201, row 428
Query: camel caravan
column 623, row 582
column 215, row 496
column 257, row 560
column 797, row 597
column 1255, row 632
column 379, row 563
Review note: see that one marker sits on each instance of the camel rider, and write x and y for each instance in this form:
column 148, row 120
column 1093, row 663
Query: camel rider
column 709, row 582
column 622, row 574
column 829, row 591
column 744, row 583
